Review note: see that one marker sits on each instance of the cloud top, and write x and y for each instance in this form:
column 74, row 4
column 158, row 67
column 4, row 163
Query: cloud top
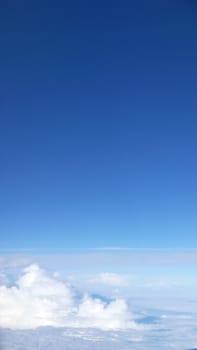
column 38, row 299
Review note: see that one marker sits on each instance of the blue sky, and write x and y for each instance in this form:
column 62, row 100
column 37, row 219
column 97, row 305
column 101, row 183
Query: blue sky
column 98, row 124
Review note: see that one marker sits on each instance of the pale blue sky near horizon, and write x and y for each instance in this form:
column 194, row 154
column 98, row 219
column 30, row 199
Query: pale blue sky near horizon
column 98, row 124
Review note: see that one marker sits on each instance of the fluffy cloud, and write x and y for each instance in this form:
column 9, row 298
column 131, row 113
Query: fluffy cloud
column 96, row 313
column 35, row 300
column 38, row 299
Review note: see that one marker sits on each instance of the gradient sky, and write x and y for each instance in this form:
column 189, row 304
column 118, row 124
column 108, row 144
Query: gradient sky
column 98, row 124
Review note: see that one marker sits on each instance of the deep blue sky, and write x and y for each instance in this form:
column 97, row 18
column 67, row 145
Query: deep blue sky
column 98, row 142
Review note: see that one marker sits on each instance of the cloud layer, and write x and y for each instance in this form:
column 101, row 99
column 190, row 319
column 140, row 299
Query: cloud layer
column 37, row 299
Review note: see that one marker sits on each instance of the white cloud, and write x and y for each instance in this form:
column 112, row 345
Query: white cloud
column 114, row 315
column 111, row 279
column 38, row 299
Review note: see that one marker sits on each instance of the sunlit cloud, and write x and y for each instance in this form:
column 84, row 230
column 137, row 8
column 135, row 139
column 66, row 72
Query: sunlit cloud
column 39, row 299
